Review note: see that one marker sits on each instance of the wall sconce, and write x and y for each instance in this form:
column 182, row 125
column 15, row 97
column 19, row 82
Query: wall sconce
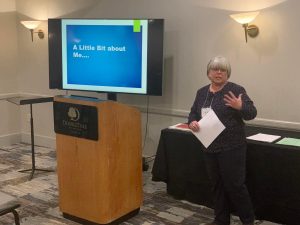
column 245, row 19
column 31, row 25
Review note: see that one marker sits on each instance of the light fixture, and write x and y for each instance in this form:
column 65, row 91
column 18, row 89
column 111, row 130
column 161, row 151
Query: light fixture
column 31, row 25
column 245, row 19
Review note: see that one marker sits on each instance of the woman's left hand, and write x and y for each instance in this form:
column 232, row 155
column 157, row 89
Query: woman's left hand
column 233, row 101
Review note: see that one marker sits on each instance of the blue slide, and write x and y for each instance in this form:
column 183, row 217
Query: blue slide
column 108, row 55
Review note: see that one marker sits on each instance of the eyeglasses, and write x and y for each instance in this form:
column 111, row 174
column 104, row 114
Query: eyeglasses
column 219, row 70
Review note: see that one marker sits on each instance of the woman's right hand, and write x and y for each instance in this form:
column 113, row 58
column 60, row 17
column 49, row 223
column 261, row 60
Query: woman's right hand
column 194, row 126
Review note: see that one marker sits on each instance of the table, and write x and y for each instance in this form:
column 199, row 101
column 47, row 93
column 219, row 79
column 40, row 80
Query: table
column 30, row 100
column 273, row 173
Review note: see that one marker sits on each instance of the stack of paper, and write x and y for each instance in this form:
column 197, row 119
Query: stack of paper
column 264, row 137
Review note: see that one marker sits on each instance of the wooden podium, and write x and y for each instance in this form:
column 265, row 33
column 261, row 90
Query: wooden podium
column 100, row 180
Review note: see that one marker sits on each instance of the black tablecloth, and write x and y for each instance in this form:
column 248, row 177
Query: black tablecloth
column 273, row 173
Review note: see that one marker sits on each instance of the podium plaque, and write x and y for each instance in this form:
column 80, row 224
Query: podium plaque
column 76, row 120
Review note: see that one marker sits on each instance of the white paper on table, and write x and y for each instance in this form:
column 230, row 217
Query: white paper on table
column 210, row 128
column 264, row 137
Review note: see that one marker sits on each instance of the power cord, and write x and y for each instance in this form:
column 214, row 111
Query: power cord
column 145, row 162
column 146, row 125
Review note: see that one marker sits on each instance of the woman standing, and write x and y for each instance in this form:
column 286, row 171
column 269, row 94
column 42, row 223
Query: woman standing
column 226, row 156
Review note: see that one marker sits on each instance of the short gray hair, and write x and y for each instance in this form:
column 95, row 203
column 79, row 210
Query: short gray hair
column 219, row 62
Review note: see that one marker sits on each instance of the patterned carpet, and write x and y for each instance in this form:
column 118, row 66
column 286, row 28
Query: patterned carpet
column 39, row 197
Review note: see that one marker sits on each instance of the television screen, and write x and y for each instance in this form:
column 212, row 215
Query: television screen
column 106, row 55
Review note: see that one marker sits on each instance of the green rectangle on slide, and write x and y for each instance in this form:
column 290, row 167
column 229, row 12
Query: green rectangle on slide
column 136, row 26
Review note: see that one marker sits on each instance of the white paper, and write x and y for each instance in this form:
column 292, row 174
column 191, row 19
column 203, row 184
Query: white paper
column 210, row 128
column 264, row 137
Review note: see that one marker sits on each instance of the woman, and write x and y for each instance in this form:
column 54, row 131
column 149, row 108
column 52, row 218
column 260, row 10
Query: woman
column 226, row 156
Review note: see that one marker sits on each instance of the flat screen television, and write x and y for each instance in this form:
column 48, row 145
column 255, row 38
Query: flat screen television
column 106, row 55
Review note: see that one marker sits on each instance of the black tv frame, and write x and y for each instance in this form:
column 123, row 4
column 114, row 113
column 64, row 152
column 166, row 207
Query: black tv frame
column 154, row 56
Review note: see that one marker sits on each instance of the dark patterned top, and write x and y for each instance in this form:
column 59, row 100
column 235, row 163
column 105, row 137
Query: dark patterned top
column 234, row 134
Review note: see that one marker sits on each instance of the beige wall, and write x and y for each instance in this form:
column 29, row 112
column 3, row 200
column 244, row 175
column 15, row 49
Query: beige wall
column 8, row 52
column 10, row 119
column 194, row 32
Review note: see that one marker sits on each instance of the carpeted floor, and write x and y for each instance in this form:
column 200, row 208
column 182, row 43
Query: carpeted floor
column 39, row 196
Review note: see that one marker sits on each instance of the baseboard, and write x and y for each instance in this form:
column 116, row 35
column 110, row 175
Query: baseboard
column 45, row 141
column 10, row 139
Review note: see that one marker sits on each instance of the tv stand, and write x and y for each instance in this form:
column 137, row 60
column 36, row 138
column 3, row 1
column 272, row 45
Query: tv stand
column 112, row 96
column 81, row 97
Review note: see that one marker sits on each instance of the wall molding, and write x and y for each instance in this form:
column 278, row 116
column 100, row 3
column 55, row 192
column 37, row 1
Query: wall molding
column 257, row 121
column 8, row 95
column 47, row 141
column 276, row 124
column 18, row 94
column 163, row 111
